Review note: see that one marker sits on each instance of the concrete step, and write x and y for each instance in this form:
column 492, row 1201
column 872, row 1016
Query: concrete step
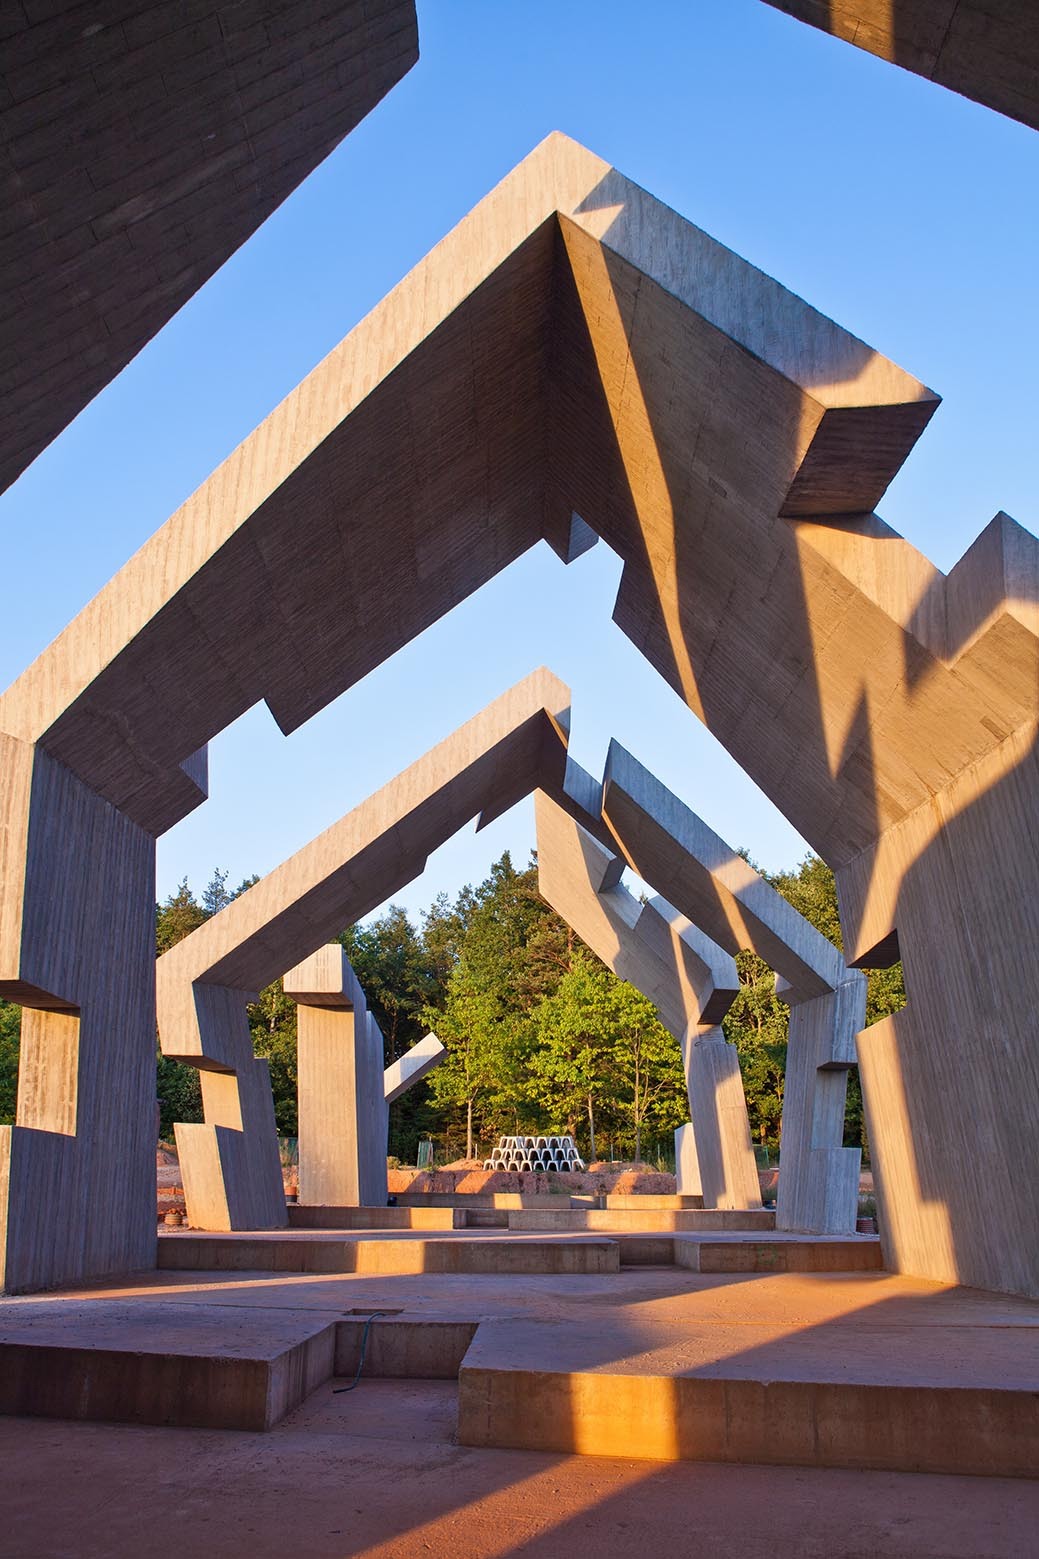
column 170, row 1364
column 303, row 1217
column 404, row 1346
column 639, row 1221
column 904, row 1397
column 386, row 1254
column 779, row 1253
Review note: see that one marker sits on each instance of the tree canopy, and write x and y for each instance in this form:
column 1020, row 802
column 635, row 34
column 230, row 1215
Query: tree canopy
column 540, row 1036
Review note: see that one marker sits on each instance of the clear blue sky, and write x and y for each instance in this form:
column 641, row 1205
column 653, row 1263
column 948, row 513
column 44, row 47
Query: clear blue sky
column 906, row 213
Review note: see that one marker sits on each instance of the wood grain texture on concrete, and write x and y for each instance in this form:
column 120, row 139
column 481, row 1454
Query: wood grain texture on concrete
column 345, row 1089
column 343, row 1116
column 140, row 145
column 668, row 845
column 574, row 348
column 687, row 977
column 987, row 50
column 232, row 1177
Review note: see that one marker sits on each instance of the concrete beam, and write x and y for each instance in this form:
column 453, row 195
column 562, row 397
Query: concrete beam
column 668, row 845
column 987, row 50
column 688, row 978
column 138, row 152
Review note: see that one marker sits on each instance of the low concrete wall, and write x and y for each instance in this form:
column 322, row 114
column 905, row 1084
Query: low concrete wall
column 628, row 1221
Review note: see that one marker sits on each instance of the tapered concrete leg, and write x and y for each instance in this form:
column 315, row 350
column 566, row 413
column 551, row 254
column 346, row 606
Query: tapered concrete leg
column 818, row 1177
column 687, row 1162
column 343, row 1111
column 720, row 1127
column 230, row 1165
column 77, row 1178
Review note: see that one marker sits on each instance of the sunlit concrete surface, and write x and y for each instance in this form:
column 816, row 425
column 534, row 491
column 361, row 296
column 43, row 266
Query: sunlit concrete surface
column 850, row 1368
column 139, row 146
column 572, row 360
column 986, row 49
column 344, row 1089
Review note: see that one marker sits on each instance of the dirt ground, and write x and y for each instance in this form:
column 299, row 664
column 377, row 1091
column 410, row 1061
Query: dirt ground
column 376, row 1472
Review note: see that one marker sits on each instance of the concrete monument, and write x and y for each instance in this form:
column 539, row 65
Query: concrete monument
column 573, row 359
column 689, row 979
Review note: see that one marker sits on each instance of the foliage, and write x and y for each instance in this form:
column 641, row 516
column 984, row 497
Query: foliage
column 10, row 1028
column 540, row 1035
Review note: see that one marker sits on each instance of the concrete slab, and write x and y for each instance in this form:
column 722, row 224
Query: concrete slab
column 780, row 1253
column 160, row 1364
column 303, row 1251
column 376, row 1217
column 914, row 1387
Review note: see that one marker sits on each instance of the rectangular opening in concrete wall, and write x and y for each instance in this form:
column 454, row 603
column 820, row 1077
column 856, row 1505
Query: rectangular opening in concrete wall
column 10, row 1044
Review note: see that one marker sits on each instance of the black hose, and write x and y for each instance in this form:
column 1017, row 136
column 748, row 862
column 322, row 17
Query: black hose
column 336, row 1390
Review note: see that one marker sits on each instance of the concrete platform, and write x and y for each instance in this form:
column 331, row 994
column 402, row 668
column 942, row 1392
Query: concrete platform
column 946, row 1381
column 646, row 1363
column 779, row 1253
column 160, row 1364
column 300, row 1251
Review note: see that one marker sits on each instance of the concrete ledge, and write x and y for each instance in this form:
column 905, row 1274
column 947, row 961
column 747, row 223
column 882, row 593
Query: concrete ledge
column 900, row 1401
column 409, row 1347
column 618, row 1202
column 628, row 1221
column 376, row 1218
column 386, row 1256
column 471, row 1199
column 781, row 1253
column 182, row 1367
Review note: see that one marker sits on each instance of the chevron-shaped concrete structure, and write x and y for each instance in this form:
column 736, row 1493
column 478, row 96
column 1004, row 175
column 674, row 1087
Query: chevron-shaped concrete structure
column 573, row 359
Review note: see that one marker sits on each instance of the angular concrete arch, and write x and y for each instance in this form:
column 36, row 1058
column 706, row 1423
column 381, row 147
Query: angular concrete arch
column 667, row 844
column 204, row 983
column 687, row 977
column 574, row 348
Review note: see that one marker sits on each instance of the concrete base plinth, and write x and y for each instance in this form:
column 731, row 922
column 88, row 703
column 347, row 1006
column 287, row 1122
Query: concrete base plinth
column 909, row 1396
column 407, row 1253
column 628, row 1220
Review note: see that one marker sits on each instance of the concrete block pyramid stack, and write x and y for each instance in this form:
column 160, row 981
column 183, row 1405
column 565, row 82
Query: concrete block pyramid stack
column 535, row 1153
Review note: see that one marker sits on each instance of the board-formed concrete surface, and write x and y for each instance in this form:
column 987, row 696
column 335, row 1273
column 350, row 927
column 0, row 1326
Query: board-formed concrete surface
column 162, row 1364
column 301, row 1250
column 690, row 980
column 574, row 360
column 621, row 1221
column 906, row 1399
column 344, row 1088
column 985, row 49
column 139, row 147
column 668, row 845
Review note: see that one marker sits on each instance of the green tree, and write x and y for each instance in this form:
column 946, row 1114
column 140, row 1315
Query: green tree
column 10, row 1031
column 505, row 947
column 573, row 1032
column 647, row 1089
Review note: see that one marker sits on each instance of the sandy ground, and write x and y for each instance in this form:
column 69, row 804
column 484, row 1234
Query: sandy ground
column 376, row 1472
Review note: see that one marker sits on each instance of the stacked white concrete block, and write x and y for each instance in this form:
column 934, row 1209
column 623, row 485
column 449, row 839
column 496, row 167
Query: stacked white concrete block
column 534, row 1154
